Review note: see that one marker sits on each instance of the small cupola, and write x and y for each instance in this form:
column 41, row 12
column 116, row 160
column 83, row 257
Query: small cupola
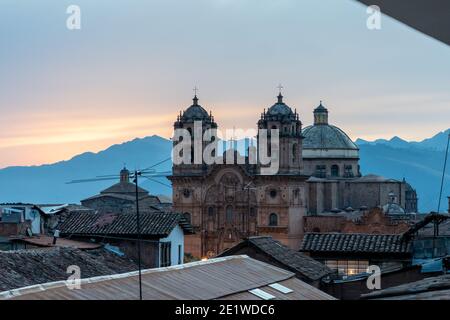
column 320, row 115
column 124, row 175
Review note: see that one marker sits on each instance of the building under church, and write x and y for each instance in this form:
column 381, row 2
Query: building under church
column 318, row 172
column 121, row 198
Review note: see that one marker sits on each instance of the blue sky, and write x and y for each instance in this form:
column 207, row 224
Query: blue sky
column 132, row 67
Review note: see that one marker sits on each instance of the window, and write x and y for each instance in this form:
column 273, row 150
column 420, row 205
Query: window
column 294, row 152
column 180, row 254
column 229, row 214
column 187, row 216
column 335, row 170
column 273, row 193
column 348, row 267
column 211, row 212
column 321, row 171
column 273, row 220
column 252, row 212
column 348, row 171
column 165, row 254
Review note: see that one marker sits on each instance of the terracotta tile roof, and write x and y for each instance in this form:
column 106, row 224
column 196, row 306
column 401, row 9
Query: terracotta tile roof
column 124, row 187
column 29, row 267
column 291, row 259
column 46, row 241
column 158, row 224
column 220, row 278
column 354, row 242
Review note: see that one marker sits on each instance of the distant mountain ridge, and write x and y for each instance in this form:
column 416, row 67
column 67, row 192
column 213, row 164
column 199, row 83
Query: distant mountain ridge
column 419, row 162
column 438, row 142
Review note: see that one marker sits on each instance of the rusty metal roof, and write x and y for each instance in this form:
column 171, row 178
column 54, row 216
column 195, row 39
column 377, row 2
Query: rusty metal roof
column 221, row 278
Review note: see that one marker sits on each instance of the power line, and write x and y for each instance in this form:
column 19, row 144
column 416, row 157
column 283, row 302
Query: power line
column 443, row 173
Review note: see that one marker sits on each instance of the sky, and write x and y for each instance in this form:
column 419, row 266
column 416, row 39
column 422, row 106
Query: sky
column 133, row 64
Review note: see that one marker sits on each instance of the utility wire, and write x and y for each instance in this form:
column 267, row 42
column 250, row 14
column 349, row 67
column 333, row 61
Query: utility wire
column 443, row 172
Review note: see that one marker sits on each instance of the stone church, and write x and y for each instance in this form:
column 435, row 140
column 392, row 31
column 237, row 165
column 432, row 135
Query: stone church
column 318, row 172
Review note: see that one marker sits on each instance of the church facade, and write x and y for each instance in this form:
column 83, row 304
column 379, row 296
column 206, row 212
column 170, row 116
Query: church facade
column 318, row 172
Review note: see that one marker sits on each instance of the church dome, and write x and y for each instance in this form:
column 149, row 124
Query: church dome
column 195, row 112
column 393, row 208
column 280, row 108
column 323, row 140
column 326, row 137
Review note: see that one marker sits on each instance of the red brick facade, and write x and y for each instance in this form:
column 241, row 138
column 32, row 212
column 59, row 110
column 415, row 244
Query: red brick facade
column 371, row 222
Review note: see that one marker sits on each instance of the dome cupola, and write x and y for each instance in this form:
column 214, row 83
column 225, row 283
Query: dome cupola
column 320, row 115
column 323, row 140
column 280, row 109
column 194, row 112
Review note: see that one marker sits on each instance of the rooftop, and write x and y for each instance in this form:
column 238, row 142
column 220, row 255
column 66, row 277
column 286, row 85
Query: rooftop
column 326, row 137
column 158, row 224
column 29, row 267
column 47, row 241
column 433, row 288
column 221, row 278
column 293, row 260
column 354, row 243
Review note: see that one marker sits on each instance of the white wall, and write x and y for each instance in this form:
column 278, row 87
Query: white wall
column 35, row 217
column 176, row 237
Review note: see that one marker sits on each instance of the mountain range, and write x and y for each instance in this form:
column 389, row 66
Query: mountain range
column 420, row 163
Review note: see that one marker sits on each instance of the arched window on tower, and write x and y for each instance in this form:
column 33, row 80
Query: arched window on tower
column 211, row 212
column 187, row 216
column 321, row 171
column 294, row 152
column 273, row 220
column 335, row 170
column 229, row 214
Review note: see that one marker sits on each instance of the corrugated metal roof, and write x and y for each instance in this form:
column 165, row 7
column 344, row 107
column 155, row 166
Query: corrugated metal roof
column 220, row 278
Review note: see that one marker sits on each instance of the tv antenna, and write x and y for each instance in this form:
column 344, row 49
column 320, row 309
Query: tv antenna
column 149, row 173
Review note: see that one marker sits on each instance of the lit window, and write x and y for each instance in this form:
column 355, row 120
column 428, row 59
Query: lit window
column 348, row 267
column 262, row 294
